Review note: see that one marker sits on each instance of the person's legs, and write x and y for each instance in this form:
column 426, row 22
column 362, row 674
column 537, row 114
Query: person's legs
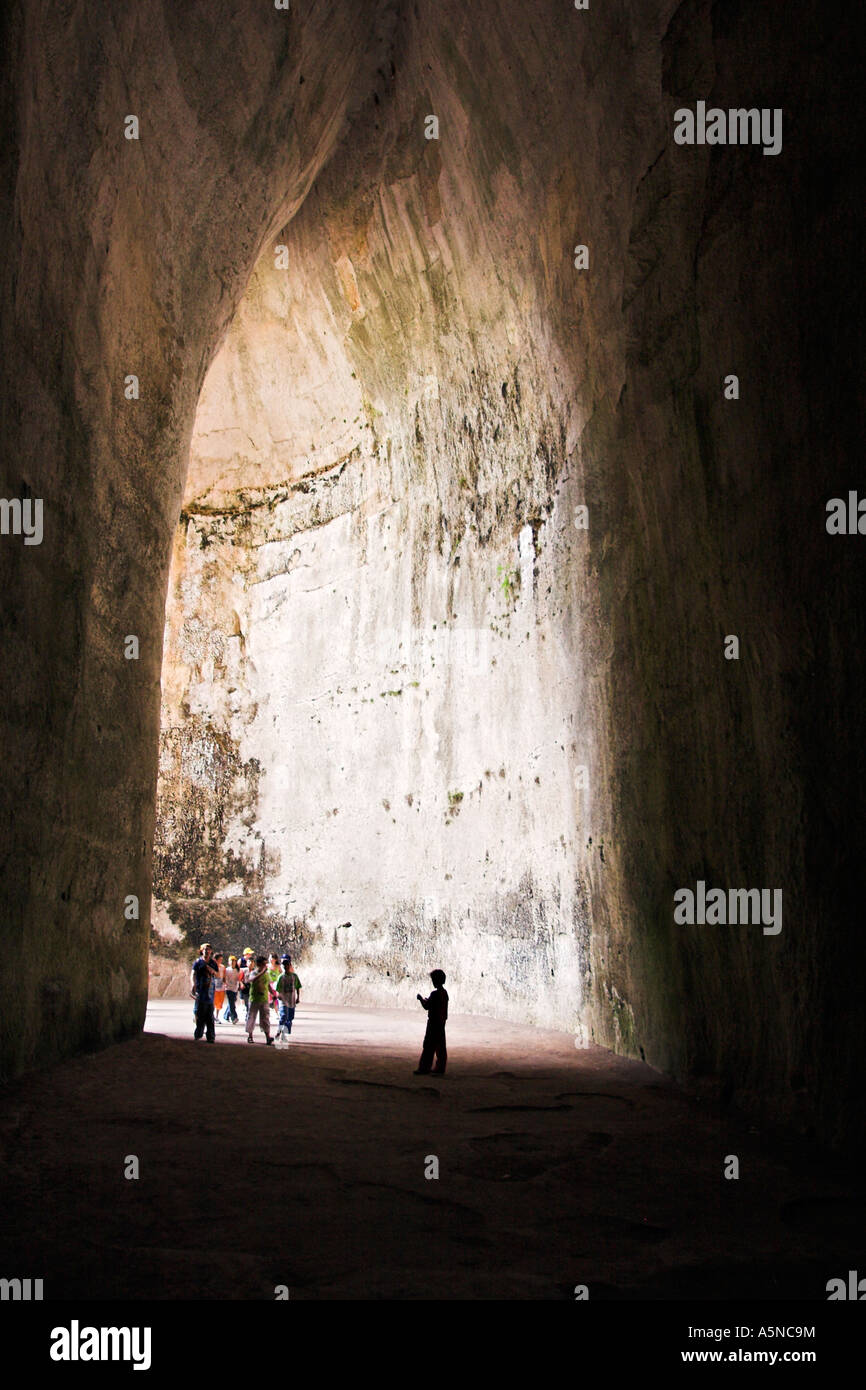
column 264, row 1018
column 441, row 1054
column 290, row 1014
column 426, row 1060
column 251, row 1019
column 198, row 1015
column 208, row 1020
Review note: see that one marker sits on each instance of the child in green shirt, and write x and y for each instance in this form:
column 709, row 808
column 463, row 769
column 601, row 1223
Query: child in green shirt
column 259, row 1005
column 288, row 993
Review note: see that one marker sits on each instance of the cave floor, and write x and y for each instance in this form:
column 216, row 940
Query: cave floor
column 305, row 1167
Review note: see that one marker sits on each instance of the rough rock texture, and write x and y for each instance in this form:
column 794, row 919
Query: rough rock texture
column 167, row 978
column 495, row 389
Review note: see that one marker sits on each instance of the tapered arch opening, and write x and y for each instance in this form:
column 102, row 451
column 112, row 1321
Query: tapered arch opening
column 378, row 721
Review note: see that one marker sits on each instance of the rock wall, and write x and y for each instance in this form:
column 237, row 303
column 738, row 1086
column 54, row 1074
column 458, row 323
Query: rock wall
column 122, row 257
column 397, row 433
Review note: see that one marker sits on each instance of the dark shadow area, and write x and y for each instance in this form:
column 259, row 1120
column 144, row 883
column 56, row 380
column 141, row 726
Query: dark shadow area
column 557, row 1167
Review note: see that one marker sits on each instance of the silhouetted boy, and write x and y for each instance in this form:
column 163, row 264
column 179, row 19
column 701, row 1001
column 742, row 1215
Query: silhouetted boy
column 434, row 1039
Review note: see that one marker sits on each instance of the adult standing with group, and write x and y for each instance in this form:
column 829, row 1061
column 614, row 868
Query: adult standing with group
column 204, row 975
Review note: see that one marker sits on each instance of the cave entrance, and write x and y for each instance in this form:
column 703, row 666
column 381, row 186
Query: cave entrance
column 370, row 752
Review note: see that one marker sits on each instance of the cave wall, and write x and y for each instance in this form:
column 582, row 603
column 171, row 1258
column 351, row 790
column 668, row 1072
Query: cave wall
column 744, row 773
column 495, row 389
column 121, row 257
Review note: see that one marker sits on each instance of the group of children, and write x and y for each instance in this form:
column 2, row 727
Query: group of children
column 261, row 983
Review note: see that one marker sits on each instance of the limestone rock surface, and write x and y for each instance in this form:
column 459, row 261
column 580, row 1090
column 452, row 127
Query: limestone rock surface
column 363, row 471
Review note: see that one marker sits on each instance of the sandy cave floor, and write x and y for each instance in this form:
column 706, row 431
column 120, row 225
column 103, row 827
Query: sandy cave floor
column 305, row 1167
